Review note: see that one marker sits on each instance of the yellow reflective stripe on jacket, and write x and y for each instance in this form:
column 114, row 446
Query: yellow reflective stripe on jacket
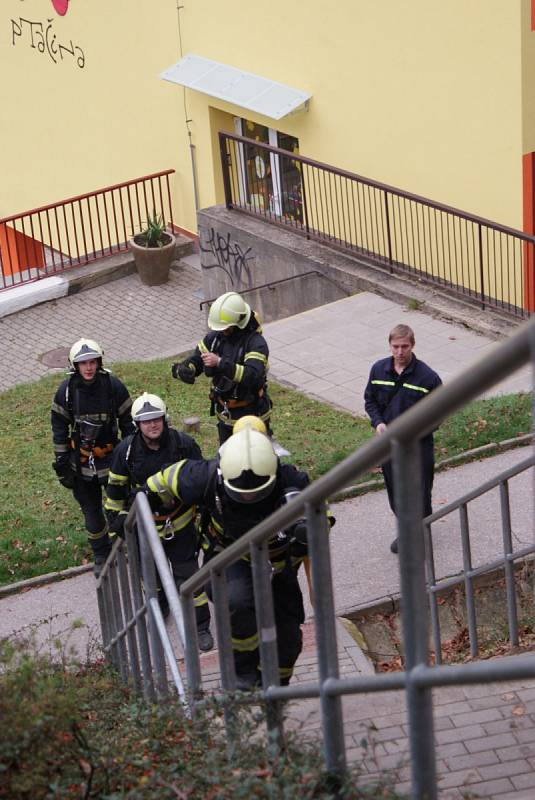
column 200, row 599
column 416, row 388
column 245, row 645
column 238, row 373
column 118, row 480
column 171, row 476
column 114, row 505
column 178, row 523
column 384, row 383
column 259, row 356
column 124, row 406
column 165, row 482
column 202, row 347
column 62, row 411
column 216, row 525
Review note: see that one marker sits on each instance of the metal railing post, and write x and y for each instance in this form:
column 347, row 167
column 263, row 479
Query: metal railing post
column 508, row 567
column 191, row 649
column 325, row 623
column 267, row 635
column 148, row 570
column 406, row 457
column 468, row 585
column 388, row 236
column 142, row 635
column 225, row 157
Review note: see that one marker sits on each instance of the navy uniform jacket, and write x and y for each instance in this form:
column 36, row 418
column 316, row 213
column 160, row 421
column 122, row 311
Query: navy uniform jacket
column 240, row 378
column 387, row 394
column 105, row 401
column 133, row 462
column 198, row 483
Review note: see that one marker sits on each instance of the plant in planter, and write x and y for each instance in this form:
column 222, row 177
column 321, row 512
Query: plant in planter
column 153, row 250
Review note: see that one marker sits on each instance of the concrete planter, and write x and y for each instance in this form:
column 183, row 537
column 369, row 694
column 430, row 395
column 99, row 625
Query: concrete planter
column 153, row 263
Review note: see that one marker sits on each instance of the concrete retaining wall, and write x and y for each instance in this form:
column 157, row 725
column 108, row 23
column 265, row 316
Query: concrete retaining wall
column 239, row 251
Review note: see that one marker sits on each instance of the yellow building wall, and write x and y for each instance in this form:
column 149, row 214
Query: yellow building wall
column 425, row 96
column 67, row 129
column 528, row 77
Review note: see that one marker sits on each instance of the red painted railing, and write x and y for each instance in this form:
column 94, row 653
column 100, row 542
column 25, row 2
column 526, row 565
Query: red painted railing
column 76, row 231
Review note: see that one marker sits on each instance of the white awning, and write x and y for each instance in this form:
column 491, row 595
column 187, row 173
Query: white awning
column 266, row 97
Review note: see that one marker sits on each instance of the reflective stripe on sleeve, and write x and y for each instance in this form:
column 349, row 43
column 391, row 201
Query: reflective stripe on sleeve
column 116, row 479
column 124, row 406
column 238, row 373
column 259, row 356
column 61, row 411
column 416, row 388
column 383, row 383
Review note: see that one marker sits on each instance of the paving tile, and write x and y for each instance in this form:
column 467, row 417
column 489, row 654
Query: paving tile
column 496, row 788
column 506, row 769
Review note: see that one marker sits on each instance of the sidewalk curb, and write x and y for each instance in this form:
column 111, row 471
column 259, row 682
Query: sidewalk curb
column 368, row 486
column 43, row 580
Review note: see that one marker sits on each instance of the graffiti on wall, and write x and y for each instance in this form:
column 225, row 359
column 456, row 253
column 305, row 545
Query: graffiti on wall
column 228, row 255
column 41, row 36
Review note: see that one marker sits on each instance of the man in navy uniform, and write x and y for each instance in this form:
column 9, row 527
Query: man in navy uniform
column 395, row 384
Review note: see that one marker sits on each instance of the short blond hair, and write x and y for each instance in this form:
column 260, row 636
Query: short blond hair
column 401, row 332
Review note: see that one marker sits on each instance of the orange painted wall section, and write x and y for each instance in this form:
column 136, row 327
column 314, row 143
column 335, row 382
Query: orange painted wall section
column 528, row 169
column 533, row 15
column 19, row 252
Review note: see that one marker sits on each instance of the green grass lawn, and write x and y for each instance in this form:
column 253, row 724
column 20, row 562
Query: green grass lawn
column 41, row 526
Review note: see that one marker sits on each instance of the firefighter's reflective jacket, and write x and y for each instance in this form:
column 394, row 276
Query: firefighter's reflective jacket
column 86, row 419
column 239, row 382
column 225, row 520
column 133, row 462
column 387, row 394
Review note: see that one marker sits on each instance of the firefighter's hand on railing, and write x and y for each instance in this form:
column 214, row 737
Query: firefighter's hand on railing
column 62, row 468
column 184, row 371
column 116, row 525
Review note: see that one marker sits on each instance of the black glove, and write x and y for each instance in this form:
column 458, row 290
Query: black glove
column 184, row 371
column 62, row 468
column 116, row 525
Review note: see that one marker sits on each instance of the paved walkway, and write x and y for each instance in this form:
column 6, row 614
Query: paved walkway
column 485, row 734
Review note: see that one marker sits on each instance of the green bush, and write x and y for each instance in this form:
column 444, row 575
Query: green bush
column 74, row 731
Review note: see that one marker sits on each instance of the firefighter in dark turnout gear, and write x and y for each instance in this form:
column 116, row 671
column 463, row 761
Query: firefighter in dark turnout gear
column 395, row 385
column 154, row 446
column 88, row 409
column 237, row 491
column 234, row 355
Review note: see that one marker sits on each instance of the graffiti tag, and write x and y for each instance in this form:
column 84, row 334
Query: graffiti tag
column 44, row 40
column 226, row 255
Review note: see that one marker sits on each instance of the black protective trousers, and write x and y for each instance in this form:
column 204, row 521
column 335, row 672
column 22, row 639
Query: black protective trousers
column 289, row 616
column 181, row 552
column 428, row 474
column 88, row 495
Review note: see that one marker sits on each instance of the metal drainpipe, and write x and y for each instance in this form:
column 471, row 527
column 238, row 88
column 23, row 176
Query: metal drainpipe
column 194, row 172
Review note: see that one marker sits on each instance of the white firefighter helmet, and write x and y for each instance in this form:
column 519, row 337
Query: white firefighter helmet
column 227, row 310
column 248, row 465
column 249, row 421
column 147, row 407
column 85, row 350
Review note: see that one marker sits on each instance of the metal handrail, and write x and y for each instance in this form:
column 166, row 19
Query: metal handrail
column 269, row 284
column 481, row 260
column 400, row 443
